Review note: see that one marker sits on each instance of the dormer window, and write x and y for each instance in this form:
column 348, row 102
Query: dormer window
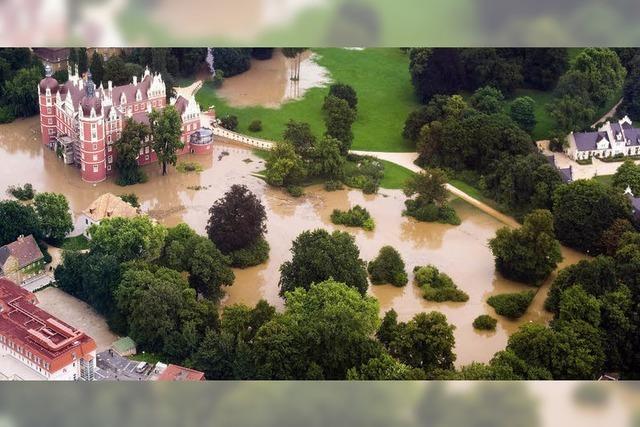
column 138, row 95
column 123, row 99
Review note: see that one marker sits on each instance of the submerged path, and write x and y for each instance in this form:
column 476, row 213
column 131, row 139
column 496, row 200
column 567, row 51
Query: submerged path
column 406, row 160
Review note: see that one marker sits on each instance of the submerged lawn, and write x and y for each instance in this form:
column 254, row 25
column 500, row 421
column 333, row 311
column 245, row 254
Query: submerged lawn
column 385, row 98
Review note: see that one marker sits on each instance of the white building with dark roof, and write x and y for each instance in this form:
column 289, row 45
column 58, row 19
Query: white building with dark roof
column 610, row 140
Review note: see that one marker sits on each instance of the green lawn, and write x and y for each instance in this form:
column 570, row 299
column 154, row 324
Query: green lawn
column 604, row 179
column 150, row 358
column 394, row 176
column 77, row 243
column 385, row 98
column 544, row 122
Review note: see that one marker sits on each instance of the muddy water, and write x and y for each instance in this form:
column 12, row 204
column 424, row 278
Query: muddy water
column 460, row 251
column 267, row 83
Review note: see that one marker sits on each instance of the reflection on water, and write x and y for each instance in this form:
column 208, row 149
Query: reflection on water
column 461, row 252
column 267, row 82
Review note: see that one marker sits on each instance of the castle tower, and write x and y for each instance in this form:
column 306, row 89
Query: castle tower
column 91, row 135
column 47, row 90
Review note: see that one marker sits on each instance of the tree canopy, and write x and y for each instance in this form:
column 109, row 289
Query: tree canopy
column 166, row 130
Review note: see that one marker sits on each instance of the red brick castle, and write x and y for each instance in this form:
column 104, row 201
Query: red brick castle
column 82, row 122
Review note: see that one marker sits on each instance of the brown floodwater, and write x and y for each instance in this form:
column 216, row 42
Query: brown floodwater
column 459, row 251
column 267, row 82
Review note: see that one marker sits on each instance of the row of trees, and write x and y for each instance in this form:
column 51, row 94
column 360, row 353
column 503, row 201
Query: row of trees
column 447, row 71
column 20, row 73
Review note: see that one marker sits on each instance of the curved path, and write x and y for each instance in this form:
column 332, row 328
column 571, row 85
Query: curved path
column 406, row 160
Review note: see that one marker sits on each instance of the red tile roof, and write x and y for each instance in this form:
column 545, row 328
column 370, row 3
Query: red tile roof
column 34, row 330
column 180, row 373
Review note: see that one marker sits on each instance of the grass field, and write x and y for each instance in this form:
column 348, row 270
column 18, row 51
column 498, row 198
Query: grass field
column 77, row 243
column 394, row 176
column 604, row 179
column 385, row 98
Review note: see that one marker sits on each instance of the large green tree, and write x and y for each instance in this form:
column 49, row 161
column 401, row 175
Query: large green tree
column 319, row 256
column 583, row 210
column 127, row 239
column 284, row 167
column 17, row 220
column 522, row 111
column 133, row 137
column 300, row 136
column 54, row 215
column 339, row 118
column 529, row 253
column 628, row 175
column 326, row 160
column 97, row 68
column 166, row 131
column 20, row 93
column 435, row 72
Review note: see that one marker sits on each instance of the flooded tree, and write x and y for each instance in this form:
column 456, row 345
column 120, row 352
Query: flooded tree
column 166, row 131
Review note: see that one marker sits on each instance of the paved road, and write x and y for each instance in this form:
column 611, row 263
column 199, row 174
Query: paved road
column 407, row 160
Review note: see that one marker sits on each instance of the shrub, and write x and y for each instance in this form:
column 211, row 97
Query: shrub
column 357, row 216
column 388, row 267
column 254, row 254
column 431, row 213
column 437, row 286
column 295, row 190
column 511, row 305
column 185, row 167
column 229, row 122
column 370, row 186
column 26, row 192
column 6, row 114
column 485, row 322
column 131, row 198
column 333, row 185
column 255, row 126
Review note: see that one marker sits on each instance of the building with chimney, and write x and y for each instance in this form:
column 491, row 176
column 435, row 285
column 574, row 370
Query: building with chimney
column 36, row 345
column 82, row 122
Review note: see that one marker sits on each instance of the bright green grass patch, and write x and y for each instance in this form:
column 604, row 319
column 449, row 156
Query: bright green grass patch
column 395, row 176
column 77, row 243
column 544, row 122
column 385, row 98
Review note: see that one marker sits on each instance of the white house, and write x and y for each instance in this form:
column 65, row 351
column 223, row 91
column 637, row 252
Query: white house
column 612, row 139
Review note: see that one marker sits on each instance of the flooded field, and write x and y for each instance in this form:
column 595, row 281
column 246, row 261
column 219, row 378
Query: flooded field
column 461, row 251
column 267, row 83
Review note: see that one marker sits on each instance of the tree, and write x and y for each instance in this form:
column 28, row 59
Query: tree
column 132, row 139
column 163, row 314
column 326, row 160
column 487, row 100
column 166, row 130
column 384, row 368
column 612, row 236
column 319, row 256
column 435, row 72
column 440, row 108
column 209, row 269
column 284, row 166
column 294, row 66
column 388, row 267
column 425, row 342
column 300, row 136
column 83, row 60
column 128, row 239
column 97, row 68
column 262, row 53
column 115, row 70
column 323, row 332
column 631, row 89
column 576, row 304
column 529, row 253
column 339, row 118
column 229, row 122
column 428, row 187
column 346, row 92
column 522, row 111
column 627, row 175
column 522, row 183
column 571, row 113
column 236, row 220
column 53, row 215
column 20, row 92
column 232, row 61
column 542, row 67
column 583, row 210
column 486, row 67
column 511, row 305
column 17, row 220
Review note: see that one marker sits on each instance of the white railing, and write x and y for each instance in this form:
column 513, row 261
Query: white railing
column 262, row 144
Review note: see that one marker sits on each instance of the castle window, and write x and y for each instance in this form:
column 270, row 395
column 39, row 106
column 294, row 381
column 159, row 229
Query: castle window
column 109, row 167
column 83, row 167
column 146, row 157
column 48, row 110
column 50, row 120
column 95, row 157
column 95, row 168
column 110, row 159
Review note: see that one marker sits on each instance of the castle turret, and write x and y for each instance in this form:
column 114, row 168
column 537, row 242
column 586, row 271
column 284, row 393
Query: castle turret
column 47, row 90
column 92, row 134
